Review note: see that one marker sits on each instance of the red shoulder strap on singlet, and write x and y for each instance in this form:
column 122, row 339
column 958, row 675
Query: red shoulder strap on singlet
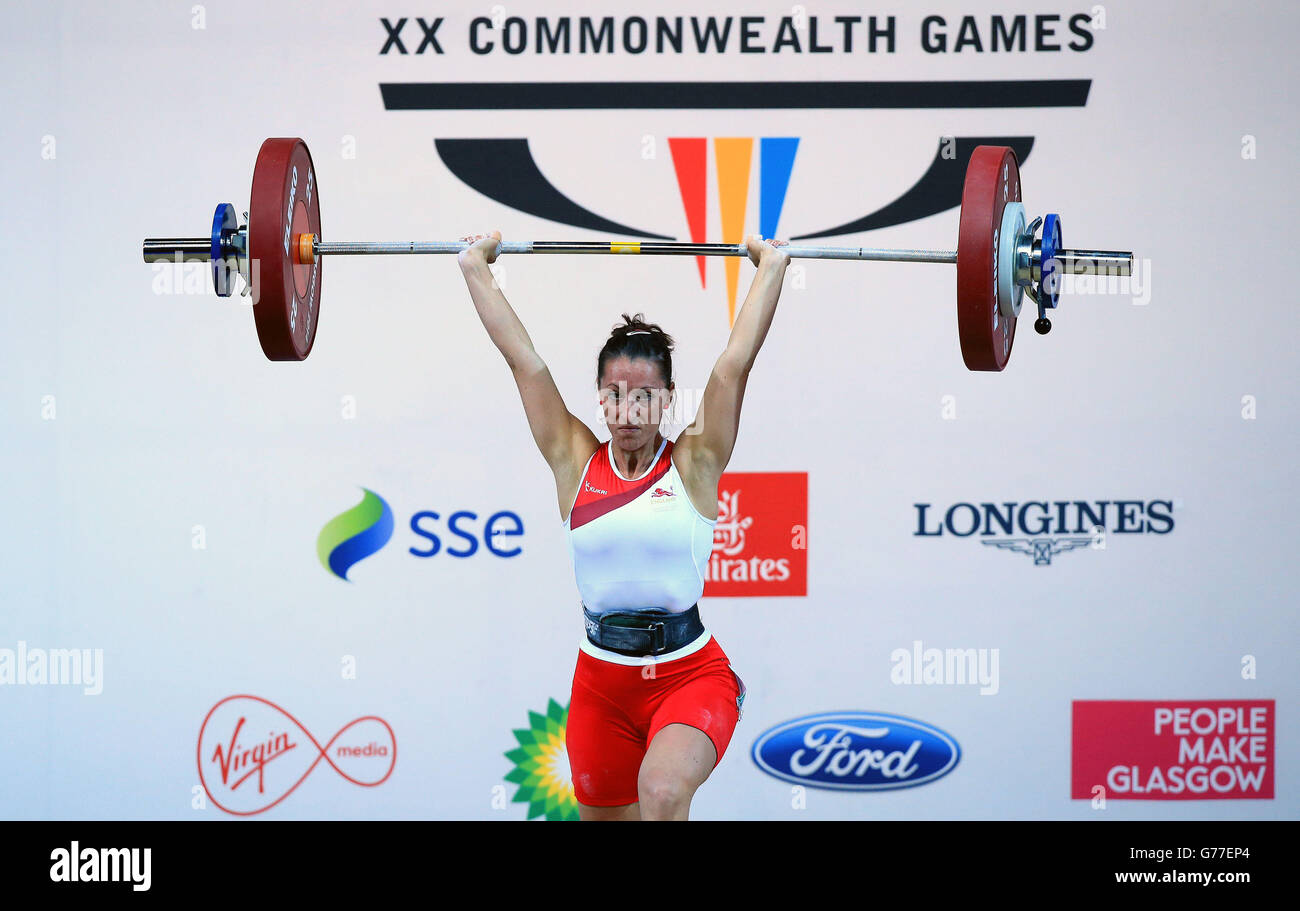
column 601, row 490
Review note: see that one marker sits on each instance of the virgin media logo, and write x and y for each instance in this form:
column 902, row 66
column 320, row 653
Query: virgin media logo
column 252, row 754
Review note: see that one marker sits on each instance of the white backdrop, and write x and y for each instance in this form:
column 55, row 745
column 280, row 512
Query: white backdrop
column 165, row 484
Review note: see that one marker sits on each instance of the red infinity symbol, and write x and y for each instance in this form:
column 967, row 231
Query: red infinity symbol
column 249, row 771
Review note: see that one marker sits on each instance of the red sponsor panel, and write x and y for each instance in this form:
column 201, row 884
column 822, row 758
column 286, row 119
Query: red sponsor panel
column 1209, row 749
column 760, row 542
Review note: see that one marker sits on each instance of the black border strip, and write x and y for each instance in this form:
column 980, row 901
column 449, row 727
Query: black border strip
column 546, row 96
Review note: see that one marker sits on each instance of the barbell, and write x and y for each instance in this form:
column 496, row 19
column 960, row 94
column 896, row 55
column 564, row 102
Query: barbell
column 999, row 256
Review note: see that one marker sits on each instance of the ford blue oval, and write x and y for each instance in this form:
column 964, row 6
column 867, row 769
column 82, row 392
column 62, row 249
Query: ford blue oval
column 856, row 751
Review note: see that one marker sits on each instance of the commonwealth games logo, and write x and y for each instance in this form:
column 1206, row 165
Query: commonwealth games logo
column 542, row 766
column 352, row 536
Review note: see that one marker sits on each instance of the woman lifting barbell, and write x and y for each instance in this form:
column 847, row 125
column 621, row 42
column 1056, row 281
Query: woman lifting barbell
column 654, row 700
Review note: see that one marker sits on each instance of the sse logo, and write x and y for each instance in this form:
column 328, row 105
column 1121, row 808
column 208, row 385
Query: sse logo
column 760, row 541
column 364, row 529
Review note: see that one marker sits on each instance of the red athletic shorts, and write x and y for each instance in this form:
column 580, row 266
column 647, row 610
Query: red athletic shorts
column 615, row 710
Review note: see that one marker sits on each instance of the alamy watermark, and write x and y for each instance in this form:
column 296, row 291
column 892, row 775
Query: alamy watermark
column 945, row 667
column 25, row 666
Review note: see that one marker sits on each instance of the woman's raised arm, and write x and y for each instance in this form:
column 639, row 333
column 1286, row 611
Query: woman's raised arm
column 559, row 435
column 708, row 441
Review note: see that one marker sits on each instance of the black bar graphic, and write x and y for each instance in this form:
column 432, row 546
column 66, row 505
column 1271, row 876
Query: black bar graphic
column 545, row 96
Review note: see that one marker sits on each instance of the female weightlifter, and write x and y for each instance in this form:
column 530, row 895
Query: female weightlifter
column 654, row 698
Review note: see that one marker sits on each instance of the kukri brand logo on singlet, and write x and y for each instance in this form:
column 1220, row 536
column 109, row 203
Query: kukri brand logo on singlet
column 587, row 486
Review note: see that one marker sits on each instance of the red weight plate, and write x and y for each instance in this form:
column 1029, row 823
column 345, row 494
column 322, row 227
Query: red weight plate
column 284, row 204
column 992, row 180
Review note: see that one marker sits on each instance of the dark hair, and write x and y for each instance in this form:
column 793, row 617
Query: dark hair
column 650, row 342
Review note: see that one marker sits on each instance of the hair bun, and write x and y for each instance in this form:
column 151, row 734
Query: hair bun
column 637, row 325
column 625, row 339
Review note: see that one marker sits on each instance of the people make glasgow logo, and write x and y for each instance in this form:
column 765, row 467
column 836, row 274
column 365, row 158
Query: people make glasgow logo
column 856, row 751
column 1196, row 749
column 366, row 528
column 1043, row 529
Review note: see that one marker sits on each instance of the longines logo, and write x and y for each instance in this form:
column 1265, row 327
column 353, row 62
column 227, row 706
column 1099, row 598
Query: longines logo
column 1042, row 529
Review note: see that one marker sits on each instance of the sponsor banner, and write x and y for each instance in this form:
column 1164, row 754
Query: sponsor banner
column 541, row 766
column 1200, row 750
column 253, row 754
column 760, row 542
column 1043, row 529
column 856, row 751
column 365, row 529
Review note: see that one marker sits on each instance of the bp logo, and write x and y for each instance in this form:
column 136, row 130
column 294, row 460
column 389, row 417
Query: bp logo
column 350, row 537
column 542, row 766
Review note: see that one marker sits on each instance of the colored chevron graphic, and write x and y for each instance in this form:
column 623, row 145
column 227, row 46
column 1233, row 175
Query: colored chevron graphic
column 504, row 170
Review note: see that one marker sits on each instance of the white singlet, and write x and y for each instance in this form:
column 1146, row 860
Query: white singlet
column 637, row 543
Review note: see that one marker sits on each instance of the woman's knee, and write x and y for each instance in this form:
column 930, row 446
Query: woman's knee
column 663, row 787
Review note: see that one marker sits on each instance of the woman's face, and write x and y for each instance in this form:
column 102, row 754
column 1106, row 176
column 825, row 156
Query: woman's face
column 634, row 400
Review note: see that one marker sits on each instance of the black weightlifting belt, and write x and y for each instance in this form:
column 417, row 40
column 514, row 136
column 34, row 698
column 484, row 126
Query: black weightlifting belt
column 640, row 633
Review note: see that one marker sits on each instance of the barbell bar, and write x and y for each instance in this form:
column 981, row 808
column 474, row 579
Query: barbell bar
column 1073, row 262
column 999, row 257
column 655, row 248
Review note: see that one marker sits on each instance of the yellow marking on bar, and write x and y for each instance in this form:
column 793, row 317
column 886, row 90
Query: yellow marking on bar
column 625, row 248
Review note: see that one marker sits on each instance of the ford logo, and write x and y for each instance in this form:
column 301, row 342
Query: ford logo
column 856, row 751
